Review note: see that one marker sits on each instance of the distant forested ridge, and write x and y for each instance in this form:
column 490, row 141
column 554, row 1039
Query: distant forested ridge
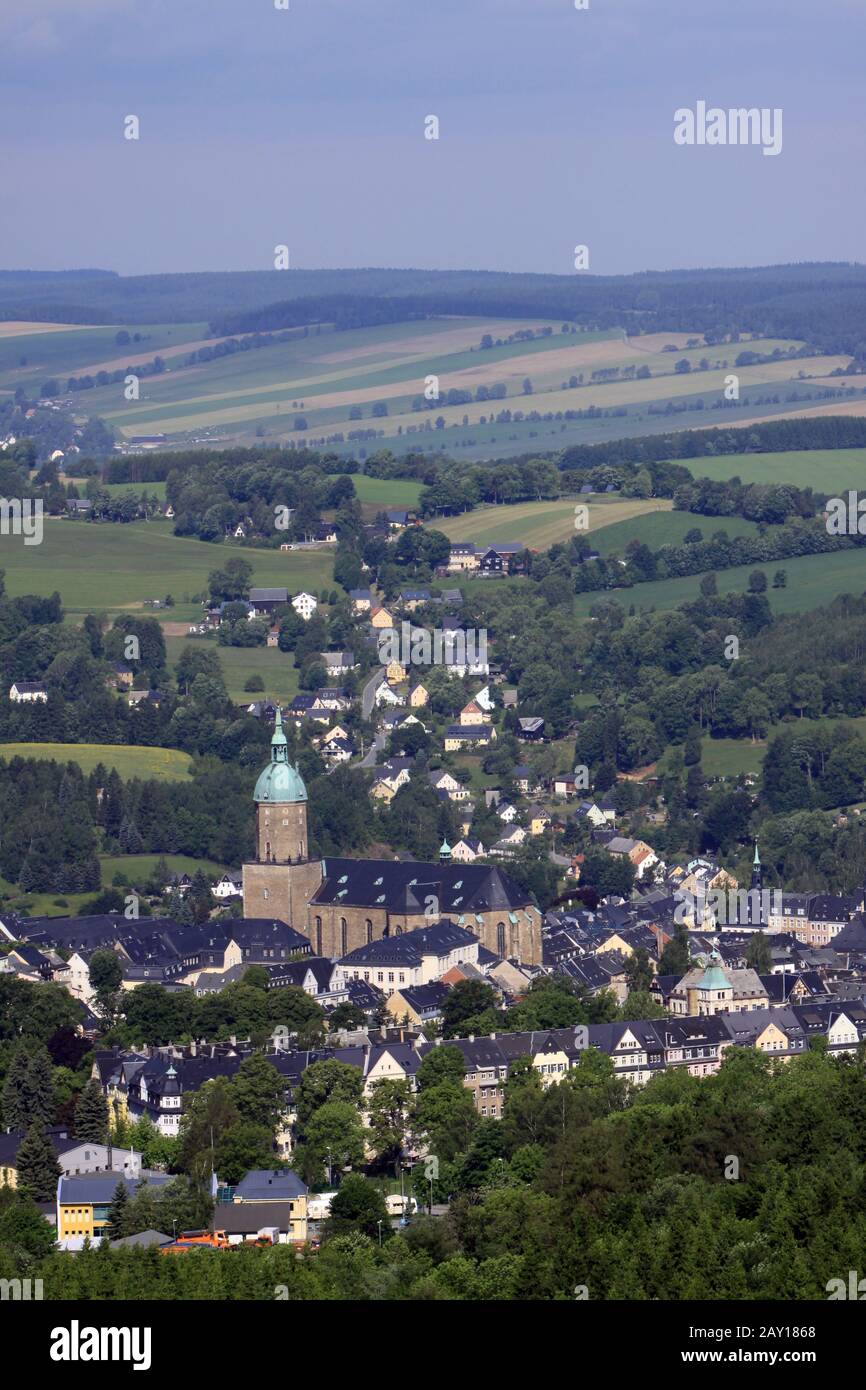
column 821, row 304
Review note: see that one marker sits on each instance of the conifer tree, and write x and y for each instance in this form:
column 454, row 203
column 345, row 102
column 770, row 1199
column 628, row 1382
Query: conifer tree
column 38, row 1169
column 117, row 1211
column 39, row 1089
column 91, row 1114
column 15, row 1092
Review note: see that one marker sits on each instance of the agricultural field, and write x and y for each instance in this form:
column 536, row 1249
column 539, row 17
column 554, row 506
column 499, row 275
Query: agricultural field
column 335, row 379
column 113, row 568
column 33, row 352
column 188, row 403
column 659, row 528
column 813, row 580
column 130, row 760
column 542, row 524
column 825, row 470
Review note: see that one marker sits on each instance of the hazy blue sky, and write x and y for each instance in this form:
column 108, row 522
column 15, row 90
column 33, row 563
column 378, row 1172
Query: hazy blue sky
column 261, row 126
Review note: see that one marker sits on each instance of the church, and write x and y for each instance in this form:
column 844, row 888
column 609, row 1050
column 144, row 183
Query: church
column 340, row 904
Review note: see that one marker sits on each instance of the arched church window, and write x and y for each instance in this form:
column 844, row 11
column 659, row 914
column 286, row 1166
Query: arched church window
column 344, row 936
column 318, row 936
column 369, row 925
column 500, row 939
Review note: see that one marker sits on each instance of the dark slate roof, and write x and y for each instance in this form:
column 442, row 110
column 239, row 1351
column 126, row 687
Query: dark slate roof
column 268, row 595
column 852, row 937
column 144, row 1238
column 100, row 1187
column 91, row 932
column 405, row 887
column 246, row 1218
column 262, row 1185
column 363, row 994
column 424, row 999
column 409, row 948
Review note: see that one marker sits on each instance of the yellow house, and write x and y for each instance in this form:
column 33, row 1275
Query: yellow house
column 338, row 732
column 268, row 1190
column 395, row 672
column 462, row 558
column 83, row 1202
column 539, row 820
column 474, row 714
column 384, row 791
column 772, row 1039
column 418, row 696
column 380, row 617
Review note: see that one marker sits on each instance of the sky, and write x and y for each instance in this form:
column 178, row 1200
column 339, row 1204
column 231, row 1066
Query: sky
column 305, row 127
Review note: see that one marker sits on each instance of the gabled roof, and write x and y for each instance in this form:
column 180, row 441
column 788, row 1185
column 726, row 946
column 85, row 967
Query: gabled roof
column 459, row 888
column 262, row 1184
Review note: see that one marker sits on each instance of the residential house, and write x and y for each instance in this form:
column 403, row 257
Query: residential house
column 304, row 605
column 83, row 1203
column 639, row 854
column 473, row 714
column 338, row 663
column 466, row 850
column 530, row 730
column 410, row 599
column 538, row 820
column 442, row 781
column 462, row 558
column 361, row 600
column 28, row 692
column 412, row 958
column 459, row 736
column 507, row 557
column 381, row 618
column 418, row 1004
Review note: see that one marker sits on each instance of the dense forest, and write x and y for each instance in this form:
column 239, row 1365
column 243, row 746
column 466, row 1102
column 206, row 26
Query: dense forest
column 821, row 304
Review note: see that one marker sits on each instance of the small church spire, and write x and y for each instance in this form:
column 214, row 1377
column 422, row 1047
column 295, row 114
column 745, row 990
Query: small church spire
column 445, row 851
column 279, row 743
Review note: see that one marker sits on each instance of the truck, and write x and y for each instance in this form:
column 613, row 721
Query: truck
column 196, row 1240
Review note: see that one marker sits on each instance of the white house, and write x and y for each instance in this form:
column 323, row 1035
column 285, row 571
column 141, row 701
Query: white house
column 28, row 692
column 228, row 886
column 305, row 605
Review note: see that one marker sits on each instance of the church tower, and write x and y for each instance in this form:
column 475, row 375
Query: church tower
column 281, row 807
column 282, row 880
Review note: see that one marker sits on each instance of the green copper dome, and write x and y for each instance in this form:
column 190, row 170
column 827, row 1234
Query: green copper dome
column 714, row 976
column 280, row 782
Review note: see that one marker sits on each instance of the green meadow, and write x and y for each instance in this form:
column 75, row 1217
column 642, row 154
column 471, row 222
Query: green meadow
column 136, row 870
column 387, row 492
column 277, row 669
column 656, row 529
column 130, row 760
column 825, row 470
column 813, row 580
column 730, row 757
column 108, row 567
